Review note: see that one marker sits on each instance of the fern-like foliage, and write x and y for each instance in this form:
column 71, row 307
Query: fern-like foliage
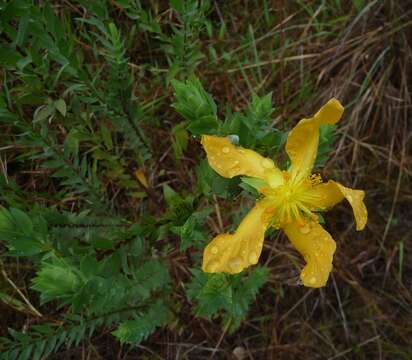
column 62, row 160
column 115, row 99
column 196, row 106
column 94, row 269
column 57, row 280
column 184, row 219
column 65, row 118
column 45, row 339
column 231, row 294
column 182, row 48
column 23, row 235
column 251, row 129
column 136, row 330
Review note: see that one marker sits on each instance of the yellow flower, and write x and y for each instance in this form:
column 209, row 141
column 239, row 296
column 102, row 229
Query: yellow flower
column 290, row 200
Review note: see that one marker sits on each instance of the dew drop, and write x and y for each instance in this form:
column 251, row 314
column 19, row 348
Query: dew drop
column 212, row 266
column 225, row 150
column 312, row 280
column 305, row 229
column 253, row 258
column 267, row 163
column 214, row 250
column 236, row 264
column 234, row 139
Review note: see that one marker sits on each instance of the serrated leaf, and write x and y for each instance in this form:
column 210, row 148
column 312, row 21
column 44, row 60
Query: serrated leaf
column 135, row 331
column 22, row 221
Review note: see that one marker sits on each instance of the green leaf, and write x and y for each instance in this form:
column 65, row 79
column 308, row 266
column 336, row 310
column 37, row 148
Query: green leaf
column 172, row 197
column 106, row 136
column 254, row 182
column 22, row 236
column 211, row 291
column 209, row 182
column 327, row 137
column 135, row 331
column 22, row 221
column 180, row 139
column 260, row 109
column 190, row 232
column 61, row 106
column 195, row 105
column 57, row 279
column 232, row 294
column 44, row 112
column 205, row 125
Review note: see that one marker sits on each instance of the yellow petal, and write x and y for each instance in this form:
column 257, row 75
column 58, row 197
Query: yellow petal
column 326, row 195
column 355, row 198
column 229, row 160
column 317, row 248
column 141, row 177
column 232, row 253
column 303, row 139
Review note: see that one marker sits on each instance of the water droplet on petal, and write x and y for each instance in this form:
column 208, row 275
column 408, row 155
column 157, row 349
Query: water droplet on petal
column 214, row 250
column 234, row 139
column 267, row 163
column 305, row 229
column 212, row 266
column 236, row 264
column 225, row 150
column 253, row 258
column 312, row 280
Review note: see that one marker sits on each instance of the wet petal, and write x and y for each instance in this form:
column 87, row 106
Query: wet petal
column 303, row 139
column 355, row 198
column 317, row 248
column 326, row 195
column 323, row 196
column 232, row 253
column 229, row 160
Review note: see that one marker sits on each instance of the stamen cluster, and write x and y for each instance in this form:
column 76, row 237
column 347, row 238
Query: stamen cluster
column 291, row 200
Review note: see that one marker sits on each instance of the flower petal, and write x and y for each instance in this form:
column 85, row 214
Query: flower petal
column 232, row 253
column 355, row 198
column 317, row 248
column 326, row 195
column 303, row 139
column 229, row 160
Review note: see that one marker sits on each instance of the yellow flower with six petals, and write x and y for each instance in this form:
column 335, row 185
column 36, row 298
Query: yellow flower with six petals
column 290, row 200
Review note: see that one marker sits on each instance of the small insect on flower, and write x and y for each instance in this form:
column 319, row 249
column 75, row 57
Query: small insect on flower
column 290, row 201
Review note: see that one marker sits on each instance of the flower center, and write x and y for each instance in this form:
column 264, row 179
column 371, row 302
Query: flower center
column 292, row 201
